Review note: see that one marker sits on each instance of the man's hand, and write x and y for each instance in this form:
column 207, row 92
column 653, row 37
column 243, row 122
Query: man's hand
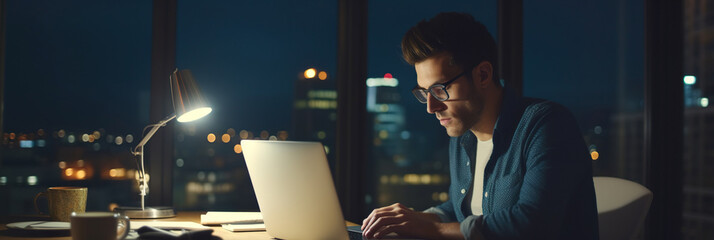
column 406, row 222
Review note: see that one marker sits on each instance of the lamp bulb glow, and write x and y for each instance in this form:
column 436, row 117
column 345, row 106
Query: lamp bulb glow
column 194, row 114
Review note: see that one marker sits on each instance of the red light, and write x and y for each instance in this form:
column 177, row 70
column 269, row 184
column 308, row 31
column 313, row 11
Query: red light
column 387, row 75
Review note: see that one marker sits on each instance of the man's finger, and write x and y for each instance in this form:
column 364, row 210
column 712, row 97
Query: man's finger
column 399, row 205
column 381, row 222
column 398, row 228
column 387, row 220
column 376, row 216
column 371, row 218
column 367, row 219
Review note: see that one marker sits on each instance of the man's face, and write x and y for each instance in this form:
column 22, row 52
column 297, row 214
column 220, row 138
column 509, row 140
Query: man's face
column 463, row 108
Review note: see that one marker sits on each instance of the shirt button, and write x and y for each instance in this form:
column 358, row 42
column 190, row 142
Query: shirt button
column 485, row 194
column 463, row 191
column 468, row 163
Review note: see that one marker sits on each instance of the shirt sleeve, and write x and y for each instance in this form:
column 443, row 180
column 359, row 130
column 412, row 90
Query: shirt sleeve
column 470, row 227
column 445, row 211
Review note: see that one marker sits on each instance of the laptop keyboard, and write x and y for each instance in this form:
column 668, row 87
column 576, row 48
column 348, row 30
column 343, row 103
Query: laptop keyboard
column 354, row 235
column 354, row 232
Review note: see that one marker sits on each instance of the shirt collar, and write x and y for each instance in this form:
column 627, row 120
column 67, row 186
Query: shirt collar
column 507, row 118
column 506, row 122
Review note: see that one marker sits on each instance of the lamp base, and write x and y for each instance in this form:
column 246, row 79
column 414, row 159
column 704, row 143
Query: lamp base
column 147, row 212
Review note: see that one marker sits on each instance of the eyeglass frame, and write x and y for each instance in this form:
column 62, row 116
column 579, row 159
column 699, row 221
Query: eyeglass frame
column 417, row 90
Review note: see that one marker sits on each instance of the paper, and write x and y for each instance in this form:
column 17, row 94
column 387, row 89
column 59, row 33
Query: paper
column 244, row 227
column 47, row 225
column 167, row 225
column 217, row 218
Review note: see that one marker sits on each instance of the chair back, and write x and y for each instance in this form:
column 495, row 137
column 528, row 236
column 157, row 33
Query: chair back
column 621, row 207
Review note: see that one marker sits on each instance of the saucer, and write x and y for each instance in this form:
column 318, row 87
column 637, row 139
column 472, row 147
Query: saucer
column 40, row 226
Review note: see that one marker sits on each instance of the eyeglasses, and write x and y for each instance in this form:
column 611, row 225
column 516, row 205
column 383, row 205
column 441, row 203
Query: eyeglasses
column 437, row 90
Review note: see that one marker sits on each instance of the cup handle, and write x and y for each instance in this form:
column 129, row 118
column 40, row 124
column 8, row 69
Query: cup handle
column 40, row 194
column 123, row 221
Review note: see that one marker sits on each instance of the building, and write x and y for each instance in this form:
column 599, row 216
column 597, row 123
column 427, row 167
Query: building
column 397, row 156
column 698, row 199
column 315, row 110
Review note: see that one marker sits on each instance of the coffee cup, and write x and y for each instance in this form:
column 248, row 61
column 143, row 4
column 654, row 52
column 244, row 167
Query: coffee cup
column 62, row 201
column 99, row 226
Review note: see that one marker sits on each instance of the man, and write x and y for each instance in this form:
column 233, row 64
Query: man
column 519, row 166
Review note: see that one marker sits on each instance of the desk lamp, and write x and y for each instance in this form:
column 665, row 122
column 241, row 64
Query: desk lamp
column 189, row 105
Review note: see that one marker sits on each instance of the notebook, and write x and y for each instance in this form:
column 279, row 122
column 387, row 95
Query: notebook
column 218, row 218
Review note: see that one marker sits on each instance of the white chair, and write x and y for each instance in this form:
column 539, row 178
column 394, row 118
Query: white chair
column 621, row 207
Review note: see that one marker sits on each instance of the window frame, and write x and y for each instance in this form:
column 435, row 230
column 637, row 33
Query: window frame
column 664, row 107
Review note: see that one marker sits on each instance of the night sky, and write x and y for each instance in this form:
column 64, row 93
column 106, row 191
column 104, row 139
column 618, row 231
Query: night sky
column 86, row 64
column 77, row 65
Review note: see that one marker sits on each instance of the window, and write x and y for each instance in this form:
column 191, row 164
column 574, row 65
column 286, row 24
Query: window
column 698, row 214
column 588, row 57
column 408, row 162
column 267, row 68
column 76, row 98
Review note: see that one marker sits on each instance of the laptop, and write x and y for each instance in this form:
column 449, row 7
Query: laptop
column 294, row 189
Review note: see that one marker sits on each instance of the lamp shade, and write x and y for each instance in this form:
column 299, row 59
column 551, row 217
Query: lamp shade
column 189, row 104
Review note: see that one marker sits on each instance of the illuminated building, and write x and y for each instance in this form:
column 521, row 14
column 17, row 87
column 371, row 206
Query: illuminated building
column 396, row 156
column 698, row 198
column 388, row 118
column 315, row 110
column 32, row 161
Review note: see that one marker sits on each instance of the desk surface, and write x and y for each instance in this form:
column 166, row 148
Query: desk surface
column 6, row 234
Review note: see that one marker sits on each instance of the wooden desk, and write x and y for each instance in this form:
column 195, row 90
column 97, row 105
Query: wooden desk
column 6, row 234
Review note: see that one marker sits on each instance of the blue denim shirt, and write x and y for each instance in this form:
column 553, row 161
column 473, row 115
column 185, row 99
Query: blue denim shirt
column 537, row 184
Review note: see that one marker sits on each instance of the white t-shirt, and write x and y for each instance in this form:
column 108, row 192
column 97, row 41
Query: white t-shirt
column 483, row 153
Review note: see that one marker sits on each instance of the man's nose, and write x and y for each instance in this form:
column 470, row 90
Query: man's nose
column 434, row 105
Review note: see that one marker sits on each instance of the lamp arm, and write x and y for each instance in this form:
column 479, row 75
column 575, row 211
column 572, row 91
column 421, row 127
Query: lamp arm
column 153, row 131
column 139, row 151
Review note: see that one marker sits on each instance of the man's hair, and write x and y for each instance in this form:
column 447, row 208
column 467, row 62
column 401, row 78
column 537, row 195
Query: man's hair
column 465, row 39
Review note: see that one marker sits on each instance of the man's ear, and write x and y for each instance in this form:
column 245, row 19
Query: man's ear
column 483, row 73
